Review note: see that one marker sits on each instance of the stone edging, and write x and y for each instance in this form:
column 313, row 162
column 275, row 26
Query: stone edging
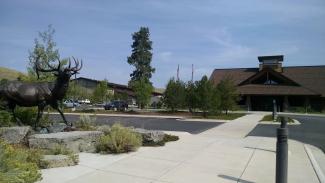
column 315, row 165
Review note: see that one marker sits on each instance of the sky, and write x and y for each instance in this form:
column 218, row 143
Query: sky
column 207, row 33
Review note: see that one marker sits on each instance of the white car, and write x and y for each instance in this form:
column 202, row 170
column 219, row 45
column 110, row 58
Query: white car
column 70, row 103
column 84, row 101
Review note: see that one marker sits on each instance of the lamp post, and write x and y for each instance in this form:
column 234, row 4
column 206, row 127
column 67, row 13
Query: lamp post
column 282, row 152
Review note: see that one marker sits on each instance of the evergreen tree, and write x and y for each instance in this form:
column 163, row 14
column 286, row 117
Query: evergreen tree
column 141, row 59
column 141, row 55
column 174, row 96
column 191, row 99
column 228, row 95
column 142, row 89
column 206, row 94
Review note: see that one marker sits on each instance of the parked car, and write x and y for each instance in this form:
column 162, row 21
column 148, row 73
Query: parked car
column 116, row 105
column 70, row 103
column 84, row 101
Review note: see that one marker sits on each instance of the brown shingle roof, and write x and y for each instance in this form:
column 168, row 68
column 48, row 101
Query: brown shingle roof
column 311, row 78
column 258, row 89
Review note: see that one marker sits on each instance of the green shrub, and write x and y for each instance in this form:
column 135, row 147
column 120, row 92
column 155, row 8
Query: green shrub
column 27, row 115
column 16, row 165
column 119, row 140
column 85, row 123
column 5, row 119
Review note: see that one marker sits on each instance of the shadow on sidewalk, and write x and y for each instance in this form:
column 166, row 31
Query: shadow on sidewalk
column 234, row 179
column 311, row 131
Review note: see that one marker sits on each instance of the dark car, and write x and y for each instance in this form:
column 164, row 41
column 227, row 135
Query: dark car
column 116, row 105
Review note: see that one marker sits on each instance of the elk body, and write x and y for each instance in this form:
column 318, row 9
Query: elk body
column 40, row 94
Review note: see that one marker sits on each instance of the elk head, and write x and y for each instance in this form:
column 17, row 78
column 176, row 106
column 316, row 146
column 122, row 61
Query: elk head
column 62, row 74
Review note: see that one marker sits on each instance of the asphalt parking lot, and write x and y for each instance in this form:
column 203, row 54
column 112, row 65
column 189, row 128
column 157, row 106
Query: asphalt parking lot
column 193, row 127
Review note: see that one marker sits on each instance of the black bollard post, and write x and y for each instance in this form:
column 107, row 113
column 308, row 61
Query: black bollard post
column 282, row 152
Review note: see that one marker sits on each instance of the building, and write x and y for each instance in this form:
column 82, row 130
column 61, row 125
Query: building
column 121, row 90
column 297, row 88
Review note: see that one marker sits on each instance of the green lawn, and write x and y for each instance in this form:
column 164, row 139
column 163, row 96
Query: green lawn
column 270, row 118
column 223, row 116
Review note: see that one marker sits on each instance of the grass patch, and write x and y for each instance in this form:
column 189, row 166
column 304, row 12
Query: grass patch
column 223, row 116
column 18, row 164
column 270, row 118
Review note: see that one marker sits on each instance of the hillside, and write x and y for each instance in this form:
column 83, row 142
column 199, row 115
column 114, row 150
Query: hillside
column 9, row 74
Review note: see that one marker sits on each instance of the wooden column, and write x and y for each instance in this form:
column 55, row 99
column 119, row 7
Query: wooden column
column 248, row 103
column 285, row 104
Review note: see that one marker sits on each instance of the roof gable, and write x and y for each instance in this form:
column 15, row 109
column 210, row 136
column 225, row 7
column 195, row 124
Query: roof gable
column 268, row 76
column 309, row 77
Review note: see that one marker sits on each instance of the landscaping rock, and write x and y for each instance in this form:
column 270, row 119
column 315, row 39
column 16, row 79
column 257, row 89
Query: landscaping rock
column 103, row 128
column 150, row 135
column 15, row 135
column 57, row 127
column 76, row 141
column 53, row 161
column 43, row 131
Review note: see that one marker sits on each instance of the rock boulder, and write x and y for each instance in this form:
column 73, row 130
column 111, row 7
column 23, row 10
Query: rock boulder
column 15, row 135
column 76, row 141
column 150, row 135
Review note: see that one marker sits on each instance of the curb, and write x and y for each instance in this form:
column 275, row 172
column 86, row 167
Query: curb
column 204, row 120
column 315, row 164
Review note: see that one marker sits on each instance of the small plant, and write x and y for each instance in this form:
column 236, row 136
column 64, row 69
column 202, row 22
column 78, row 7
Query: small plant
column 119, row 140
column 16, row 165
column 85, row 123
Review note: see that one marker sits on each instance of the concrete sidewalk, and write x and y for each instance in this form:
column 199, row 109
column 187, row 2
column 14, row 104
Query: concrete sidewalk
column 237, row 128
column 217, row 155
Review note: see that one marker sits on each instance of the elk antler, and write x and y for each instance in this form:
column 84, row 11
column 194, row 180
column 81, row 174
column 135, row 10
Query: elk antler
column 38, row 67
column 76, row 68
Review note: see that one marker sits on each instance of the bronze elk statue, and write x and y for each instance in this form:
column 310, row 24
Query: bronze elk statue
column 40, row 94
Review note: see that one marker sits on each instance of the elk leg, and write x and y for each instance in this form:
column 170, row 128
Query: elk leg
column 12, row 108
column 56, row 106
column 39, row 114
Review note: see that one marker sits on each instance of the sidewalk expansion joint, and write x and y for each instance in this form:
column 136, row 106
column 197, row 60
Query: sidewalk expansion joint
column 249, row 160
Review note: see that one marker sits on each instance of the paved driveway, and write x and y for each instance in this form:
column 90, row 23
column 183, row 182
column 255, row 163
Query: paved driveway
column 311, row 131
column 193, row 127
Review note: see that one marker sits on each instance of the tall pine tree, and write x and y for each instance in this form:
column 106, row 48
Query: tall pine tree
column 141, row 55
column 141, row 59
